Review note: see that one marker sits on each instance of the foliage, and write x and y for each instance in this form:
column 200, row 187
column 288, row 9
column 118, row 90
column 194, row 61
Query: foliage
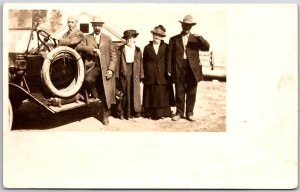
column 55, row 20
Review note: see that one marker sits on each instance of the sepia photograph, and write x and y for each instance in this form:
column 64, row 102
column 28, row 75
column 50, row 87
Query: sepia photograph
column 62, row 78
column 150, row 95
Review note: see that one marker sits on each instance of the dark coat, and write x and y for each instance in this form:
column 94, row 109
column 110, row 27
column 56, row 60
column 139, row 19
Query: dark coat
column 71, row 39
column 107, row 61
column 138, row 74
column 155, row 66
column 175, row 55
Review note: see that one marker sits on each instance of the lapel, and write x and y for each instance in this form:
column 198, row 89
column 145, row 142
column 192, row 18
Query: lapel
column 123, row 60
column 72, row 33
column 102, row 40
column 180, row 41
column 93, row 40
column 160, row 49
column 135, row 55
column 151, row 50
column 123, row 53
column 65, row 34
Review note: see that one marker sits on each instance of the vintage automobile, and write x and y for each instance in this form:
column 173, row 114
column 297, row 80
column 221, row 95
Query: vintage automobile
column 52, row 76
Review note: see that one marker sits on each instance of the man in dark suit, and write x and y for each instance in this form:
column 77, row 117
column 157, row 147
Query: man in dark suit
column 185, row 67
column 100, row 60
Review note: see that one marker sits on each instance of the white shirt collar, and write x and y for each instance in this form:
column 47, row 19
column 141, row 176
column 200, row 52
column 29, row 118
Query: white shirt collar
column 128, row 47
column 156, row 47
column 129, row 53
column 97, row 35
column 186, row 35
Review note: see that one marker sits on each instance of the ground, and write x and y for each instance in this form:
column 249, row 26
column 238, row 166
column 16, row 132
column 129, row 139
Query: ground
column 210, row 114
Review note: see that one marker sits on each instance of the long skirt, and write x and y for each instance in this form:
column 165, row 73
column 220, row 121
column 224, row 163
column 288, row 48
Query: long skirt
column 128, row 90
column 156, row 101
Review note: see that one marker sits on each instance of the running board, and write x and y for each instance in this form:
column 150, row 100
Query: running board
column 68, row 106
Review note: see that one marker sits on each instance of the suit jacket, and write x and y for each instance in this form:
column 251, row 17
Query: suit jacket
column 138, row 74
column 175, row 55
column 155, row 65
column 71, row 39
column 106, row 61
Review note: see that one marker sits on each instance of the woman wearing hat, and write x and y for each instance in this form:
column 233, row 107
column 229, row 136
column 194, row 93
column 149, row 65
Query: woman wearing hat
column 130, row 75
column 156, row 96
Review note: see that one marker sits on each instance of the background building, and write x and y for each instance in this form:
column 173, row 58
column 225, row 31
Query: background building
column 211, row 23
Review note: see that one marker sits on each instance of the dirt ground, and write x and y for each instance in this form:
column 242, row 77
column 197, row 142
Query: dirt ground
column 210, row 114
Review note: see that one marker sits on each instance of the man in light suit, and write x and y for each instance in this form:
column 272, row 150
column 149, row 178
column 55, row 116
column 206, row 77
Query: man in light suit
column 100, row 60
column 73, row 36
column 185, row 67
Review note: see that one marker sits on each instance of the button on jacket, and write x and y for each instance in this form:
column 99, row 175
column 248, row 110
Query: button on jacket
column 155, row 64
column 176, row 55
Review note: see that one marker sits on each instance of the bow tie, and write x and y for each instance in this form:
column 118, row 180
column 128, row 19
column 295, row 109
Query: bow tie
column 184, row 33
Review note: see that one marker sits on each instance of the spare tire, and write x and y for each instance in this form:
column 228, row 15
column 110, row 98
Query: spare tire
column 63, row 72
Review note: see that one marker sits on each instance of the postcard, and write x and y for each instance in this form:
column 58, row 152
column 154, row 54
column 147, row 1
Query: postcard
column 150, row 96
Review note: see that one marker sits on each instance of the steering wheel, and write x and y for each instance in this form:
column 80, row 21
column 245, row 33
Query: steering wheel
column 44, row 37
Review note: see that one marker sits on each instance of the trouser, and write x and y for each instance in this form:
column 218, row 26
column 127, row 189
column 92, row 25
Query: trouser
column 93, row 78
column 186, row 89
column 128, row 90
column 90, row 80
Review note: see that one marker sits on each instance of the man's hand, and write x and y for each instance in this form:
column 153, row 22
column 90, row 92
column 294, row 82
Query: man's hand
column 169, row 74
column 97, row 51
column 109, row 74
column 196, row 35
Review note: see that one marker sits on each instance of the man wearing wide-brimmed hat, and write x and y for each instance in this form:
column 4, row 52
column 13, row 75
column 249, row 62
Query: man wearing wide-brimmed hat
column 100, row 61
column 130, row 75
column 73, row 36
column 186, row 70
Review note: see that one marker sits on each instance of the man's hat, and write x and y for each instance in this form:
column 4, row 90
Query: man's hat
column 97, row 19
column 72, row 18
column 130, row 33
column 159, row 30
column 188, row 19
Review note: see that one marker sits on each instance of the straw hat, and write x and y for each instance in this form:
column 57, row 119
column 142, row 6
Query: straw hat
column 159, row 30
column 97, row 19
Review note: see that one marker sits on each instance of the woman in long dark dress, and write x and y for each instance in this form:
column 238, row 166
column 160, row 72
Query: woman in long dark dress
column 130, row 75
column 157, row 96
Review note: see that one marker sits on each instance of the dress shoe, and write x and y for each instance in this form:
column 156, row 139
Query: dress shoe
column 92, row 100
column 129, row 117
column 176, row 118
column 138, row 115
column 190, row 118
column 105, row 121
column 121, row 117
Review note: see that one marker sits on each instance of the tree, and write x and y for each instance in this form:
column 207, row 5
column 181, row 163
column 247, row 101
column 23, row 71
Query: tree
column 38, row 17
column 55, row 20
